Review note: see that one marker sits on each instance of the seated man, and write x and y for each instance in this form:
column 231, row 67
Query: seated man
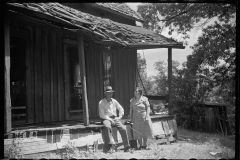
column 108, row 114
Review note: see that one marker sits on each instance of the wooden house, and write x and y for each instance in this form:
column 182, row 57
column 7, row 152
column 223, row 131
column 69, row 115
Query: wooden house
column 59, row 57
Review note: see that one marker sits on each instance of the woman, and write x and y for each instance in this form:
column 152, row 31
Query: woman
column 139, row 115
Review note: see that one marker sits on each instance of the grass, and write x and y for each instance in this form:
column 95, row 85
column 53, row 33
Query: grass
column 189, row 145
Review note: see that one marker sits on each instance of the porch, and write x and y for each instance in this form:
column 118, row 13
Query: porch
column 42, row 137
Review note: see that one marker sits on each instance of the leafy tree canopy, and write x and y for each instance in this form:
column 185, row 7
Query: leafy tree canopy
column 182, row 17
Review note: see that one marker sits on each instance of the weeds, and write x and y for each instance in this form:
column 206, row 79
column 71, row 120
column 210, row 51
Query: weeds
column 13, row 151
column 70, row 151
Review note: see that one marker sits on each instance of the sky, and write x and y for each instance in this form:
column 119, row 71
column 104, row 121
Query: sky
column 154, row 55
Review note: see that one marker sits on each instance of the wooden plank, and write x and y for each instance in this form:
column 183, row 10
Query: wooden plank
column 100, row 80
column 172, row 127
column 49, row 136
column 91, row 82
column 170, row 80
column 121, row 78
column 158, row 128
column 83, row 79
column 54, row 109
column 46, row 77
column 97, row 84
column 30, row 74
column 7, row 98
column 166, row 127
column 125, row 89
column 19, row 107
column 60, row 77
column 26, row 141
column 175, row 124
column 56, row 136
column 101, row 90
column 131, row 86
column 38, row 78
column 66, row 77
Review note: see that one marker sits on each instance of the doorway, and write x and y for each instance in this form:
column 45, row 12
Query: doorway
column 18, row 48
column 73, row 85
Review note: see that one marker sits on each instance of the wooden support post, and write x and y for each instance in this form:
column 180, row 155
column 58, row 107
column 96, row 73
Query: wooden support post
column 83, row 78
column 7, row 97
column 170, row 80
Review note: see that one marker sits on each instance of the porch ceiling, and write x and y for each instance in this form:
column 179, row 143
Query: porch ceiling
column 104, row 31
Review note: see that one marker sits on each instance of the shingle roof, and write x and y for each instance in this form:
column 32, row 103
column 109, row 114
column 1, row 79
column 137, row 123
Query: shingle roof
column 122, row 8
column 102, row 30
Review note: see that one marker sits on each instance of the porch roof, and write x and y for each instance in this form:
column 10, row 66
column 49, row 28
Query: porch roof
column 104, row 31
column 121, row 8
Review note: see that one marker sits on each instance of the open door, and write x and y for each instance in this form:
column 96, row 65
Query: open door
column 73, row 85
column 18, row 49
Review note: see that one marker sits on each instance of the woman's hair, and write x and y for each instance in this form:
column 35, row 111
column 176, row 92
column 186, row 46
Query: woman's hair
column 139, row 90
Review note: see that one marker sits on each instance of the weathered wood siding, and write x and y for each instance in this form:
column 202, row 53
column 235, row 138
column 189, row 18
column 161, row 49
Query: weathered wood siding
column 45, row 71
column 93, row 58
column 123, row 77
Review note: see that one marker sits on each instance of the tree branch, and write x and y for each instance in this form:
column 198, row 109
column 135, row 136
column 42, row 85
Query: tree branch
column 174, row 16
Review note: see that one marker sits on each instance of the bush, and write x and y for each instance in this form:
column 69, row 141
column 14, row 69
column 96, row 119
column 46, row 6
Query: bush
column 13, row 151
column 188, row 115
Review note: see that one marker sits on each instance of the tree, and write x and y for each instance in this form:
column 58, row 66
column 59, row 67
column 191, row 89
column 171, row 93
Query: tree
column 216, row 44
column 183, row 17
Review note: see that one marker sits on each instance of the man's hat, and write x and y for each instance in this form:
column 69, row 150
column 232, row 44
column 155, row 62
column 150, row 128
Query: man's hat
column 108, row 89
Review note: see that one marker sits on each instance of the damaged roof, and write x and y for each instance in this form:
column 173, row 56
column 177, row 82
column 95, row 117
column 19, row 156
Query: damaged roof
column 104, row 31
column 122, row 8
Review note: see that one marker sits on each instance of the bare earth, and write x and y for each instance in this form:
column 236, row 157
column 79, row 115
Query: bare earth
column 189, row 145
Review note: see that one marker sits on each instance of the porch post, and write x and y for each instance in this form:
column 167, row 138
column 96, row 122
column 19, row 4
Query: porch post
column 170, row 80
column 83, row 78
column 7, row 98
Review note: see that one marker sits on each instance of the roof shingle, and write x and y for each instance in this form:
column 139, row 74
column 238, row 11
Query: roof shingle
column 122, row 8
column 103, row 29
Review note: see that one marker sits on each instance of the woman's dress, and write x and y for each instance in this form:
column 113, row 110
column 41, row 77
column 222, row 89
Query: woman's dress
column 142, row 128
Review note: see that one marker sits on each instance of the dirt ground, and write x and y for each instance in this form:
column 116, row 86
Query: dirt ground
column 189, row 145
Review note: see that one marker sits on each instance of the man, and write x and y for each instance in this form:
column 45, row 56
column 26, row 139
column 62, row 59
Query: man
column 108, row 113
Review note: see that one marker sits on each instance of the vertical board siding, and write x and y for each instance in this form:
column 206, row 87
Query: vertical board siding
column 66, row 71
column 90, row 78
column 54, row 109
column 124, row 75
column 30, row 78
column 96, row 77
column 38, row 78
column 100, row 80
column 60, row 77
column 46, row 77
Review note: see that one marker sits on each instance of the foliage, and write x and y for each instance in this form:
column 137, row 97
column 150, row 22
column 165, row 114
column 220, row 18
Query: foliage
column 145, row 82
column 182, row 17
column 13, row 151
column 209, row 73
column 70, row 151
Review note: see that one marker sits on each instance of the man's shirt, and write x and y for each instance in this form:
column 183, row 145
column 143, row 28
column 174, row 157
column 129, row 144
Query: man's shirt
column 108, row 109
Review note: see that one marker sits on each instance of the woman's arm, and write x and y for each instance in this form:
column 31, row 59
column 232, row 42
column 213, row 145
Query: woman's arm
column 147, row 112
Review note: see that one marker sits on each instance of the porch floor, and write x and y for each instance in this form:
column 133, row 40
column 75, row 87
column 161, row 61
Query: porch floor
column 94, row 124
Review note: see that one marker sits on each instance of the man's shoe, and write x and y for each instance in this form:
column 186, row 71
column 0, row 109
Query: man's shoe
column 127, row 149
column 144, row 148
column 112, row 148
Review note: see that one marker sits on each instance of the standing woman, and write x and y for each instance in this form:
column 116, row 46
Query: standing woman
column 140, row 116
